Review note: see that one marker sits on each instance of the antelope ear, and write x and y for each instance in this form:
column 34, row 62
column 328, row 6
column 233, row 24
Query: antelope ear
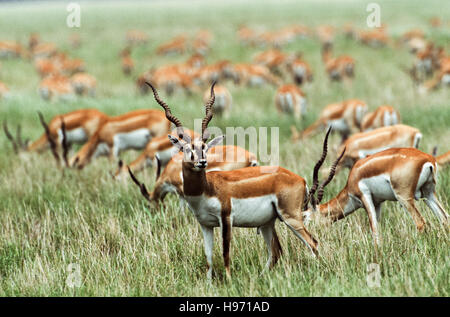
column 176, row 142
column 217, row 140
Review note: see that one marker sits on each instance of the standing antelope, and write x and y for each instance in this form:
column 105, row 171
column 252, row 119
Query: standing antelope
column 132, row 130
column 220, row 158
column 159, row 149
column 382, row 116
column 246, row 197
column 223, row 102
column 397, row 174
column 291, row 99
column 360, row 145
column 345, row 117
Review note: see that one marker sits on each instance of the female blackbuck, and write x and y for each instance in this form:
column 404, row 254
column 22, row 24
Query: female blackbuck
column 72, row 127
column 291, row 99
column 223, row 102
column 220, row 158
column 246, row 197
column 397, row 174
column 253, row 75
column 158, row 152
column 338, row 68
column 132, row 130
column 345, row 117
column 300, row 71
column 383, row 116
column 360, row 145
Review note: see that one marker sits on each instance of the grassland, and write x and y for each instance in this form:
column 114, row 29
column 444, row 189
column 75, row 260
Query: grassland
column 49, row 220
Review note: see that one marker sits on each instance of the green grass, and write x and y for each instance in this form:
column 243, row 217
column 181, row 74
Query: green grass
column 49, row 220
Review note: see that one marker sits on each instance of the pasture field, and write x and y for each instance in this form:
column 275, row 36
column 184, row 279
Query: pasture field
column 50, row 219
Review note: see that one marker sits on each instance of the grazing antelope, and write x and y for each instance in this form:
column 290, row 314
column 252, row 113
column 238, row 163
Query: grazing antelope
column 10, row 49
column 223, row 101
column 158, row 151
column 246, row 197
column 61, row 132
column 175, row 46
column 220, row 158
column 273, row 59
column 300, row 71
column 382, row 116
column 4, row 90
column 83, row 84
column 132, row 130
column 341, row 67
column 43, row 50
column 127, row 62
column 291, row 99
column 345, row 117
column 397, row 174
column 441, row 78
column 169, row 77
column 374, row 38
column 362, row 144
column 253, row 75
column 56, row 86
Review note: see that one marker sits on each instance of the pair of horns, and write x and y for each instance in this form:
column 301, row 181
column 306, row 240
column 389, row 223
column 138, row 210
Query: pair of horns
column 315, row 187
column 51, row 141
column 17, row 142
column 177, row 122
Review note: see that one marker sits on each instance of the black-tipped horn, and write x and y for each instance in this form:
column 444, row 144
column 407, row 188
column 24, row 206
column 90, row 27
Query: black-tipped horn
column 10, row 137
column 208, row 113
column 65, row 145
column 53, row 146
column 141, row 186
column 330, row 177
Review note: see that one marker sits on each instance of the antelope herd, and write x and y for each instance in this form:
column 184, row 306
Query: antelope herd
column 224, row 185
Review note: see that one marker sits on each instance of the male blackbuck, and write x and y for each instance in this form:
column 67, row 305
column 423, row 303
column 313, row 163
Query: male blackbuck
column 220, row 158
column 158, row 152
column 291, row 99
column 397, row 174
column 337, row 68
column 381, row 117
column 223, row 101
column 345, row 117
column 79, row 126
column 132, row 130
column 360, row 145
column 246, row 197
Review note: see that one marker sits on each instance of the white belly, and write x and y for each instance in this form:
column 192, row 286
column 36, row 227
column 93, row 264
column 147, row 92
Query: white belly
column 77, row 135
column 379, row 187
column 102, row 149
column 339, row 125
column 136, row 139
column 253, row 212
column 256, row 81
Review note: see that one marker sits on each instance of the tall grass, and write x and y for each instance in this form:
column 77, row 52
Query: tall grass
column 49, row 220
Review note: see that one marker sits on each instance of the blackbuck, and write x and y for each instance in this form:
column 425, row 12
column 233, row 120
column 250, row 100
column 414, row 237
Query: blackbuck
column 84, row 84
column 74, row 127
column 382, row 116
column 158, row 152
column 290, row 99
column 220, row 158
column 132, row 130
column 360, row 145
column 56, row 86
column 345, row 117
column 300, row 70
column 253, row 75
column 177, row 45
column 397, row 174
column 337, row 68
column 247, row 197
column 223, row 102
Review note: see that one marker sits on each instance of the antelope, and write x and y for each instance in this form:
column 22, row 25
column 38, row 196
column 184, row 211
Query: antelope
column 175, row 46
column 169, row 78
column 220, row 158
column 83, row 84
column 442, row 77
column 9, row 49
column 223, row 100
column 382, row 116
column 207, row 74
column 345, row 117
column 396, row 174
column 291, row 99
column 253, row 75
column 202, row 42
column 127, row 62
column 374, row 38
column 325, row 33
column 246, row 197
column 132, row 130
column 4, row 90
column 362, row 144
column 341, row 67
column 56, row 86
column 300, row 71
column 43, row 50
column 74, row 127
column 158, row 151
column 273, row 59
